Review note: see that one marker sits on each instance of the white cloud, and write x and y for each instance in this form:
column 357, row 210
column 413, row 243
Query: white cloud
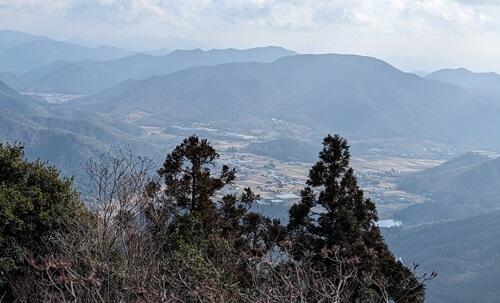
column 287, row 14
column 382, row 14
column 438, row 28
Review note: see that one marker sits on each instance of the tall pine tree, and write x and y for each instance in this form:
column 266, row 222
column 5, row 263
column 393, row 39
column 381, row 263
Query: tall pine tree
column 192, row 187
column 333, row 214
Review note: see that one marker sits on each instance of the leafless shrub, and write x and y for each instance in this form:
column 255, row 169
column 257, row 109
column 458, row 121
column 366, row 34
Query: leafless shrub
column 114, row 255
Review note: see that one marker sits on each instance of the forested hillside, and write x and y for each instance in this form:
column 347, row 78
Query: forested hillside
column 359, row 96
column 461, row 187
column 463, row 252
column 61, row 136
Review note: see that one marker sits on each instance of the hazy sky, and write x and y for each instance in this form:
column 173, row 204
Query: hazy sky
column 412, row 34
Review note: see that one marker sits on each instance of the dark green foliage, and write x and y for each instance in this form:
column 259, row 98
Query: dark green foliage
column 339, row 218
column 35, row 206
column 187, row 175
column 191, row 191
column 180, row 238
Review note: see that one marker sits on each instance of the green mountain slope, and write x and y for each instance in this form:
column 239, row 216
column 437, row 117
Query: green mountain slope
column 462, row 187
column 357, row 96
column 63, row 137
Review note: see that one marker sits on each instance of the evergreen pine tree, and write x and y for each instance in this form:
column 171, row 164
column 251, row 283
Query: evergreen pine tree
column 192, row 187
column 187, row 174
column 338, row 217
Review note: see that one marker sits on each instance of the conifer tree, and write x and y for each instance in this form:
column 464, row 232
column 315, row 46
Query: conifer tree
column 191, row 186
column 333, row 214
column 187, row 174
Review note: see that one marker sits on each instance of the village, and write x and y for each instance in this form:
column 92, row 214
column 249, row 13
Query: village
column 279, row 183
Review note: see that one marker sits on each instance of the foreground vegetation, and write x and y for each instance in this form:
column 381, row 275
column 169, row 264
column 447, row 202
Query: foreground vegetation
column 171, row 236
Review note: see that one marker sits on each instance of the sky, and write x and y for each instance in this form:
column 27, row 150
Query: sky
column 411, row 34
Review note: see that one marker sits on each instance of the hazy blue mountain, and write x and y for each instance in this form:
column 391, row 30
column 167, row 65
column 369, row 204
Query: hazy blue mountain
column 360, row 97
column 84, row 42
column 10, row 38
column 158, row 52
column 483, row 84
column 465, row 254
column 64, row 137
column 420, row 73
column 23, row 52
column 71, row 78
column 144, row 43
column 462, row 187
column 92, row 76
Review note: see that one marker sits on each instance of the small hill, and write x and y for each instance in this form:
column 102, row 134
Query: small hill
column 441, row 177
column 13, row 81
column 11, row 100
column 285, row 149
column 462, row 187
column 63, row 137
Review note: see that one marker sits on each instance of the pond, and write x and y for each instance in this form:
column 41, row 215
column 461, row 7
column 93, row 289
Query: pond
column 389, row 223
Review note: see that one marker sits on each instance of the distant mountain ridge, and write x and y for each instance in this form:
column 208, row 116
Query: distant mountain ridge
column 92, row 76
column 21, row 52
column 482, row 84
column 10, row 38
column 357, row 96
